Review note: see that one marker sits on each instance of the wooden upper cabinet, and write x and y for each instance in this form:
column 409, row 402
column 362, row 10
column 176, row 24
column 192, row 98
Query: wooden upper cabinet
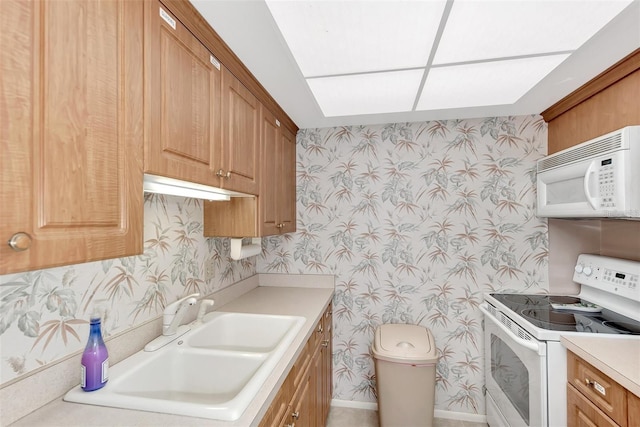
column 287, row 170
column 274, row 210
column 606, row 103
column 183, row 101
column 278, row 181
column 240, row 146
column 71, row 93
column 203, row 124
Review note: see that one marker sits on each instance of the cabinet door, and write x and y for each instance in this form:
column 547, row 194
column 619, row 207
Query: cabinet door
column 582, row 413
column 287, row 168
column 303, row 403
column 326, row 376
column 269, row 181
column 184, row 103
column 240, row 136
column 279, row 412
column 71, row 93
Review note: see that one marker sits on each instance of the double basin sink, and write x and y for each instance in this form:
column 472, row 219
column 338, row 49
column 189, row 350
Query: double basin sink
column 213, row 371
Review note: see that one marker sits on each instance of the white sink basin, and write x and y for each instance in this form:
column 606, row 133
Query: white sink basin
column 213, row 371
column 242, row 332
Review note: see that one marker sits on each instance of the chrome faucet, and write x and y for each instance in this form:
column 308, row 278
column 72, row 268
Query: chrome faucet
column 174, row 313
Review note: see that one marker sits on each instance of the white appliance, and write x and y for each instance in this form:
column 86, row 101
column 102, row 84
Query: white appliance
column 599, row 178
column 525, row 363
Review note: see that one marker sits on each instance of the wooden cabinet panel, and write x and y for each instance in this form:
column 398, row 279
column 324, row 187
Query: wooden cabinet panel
column 581, row 412
column 240, row 148
column 309, row 381
column 278, row 181
column 605, row 393
column 604, row 104
column 274, row 210
column 287, row 169
column 71, row 83
column 633, row 409
column 327, row 363
column 270, row 189
column 279, row 411
column 184, row 102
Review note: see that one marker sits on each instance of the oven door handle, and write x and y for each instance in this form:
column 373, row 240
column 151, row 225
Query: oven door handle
column 533, row 346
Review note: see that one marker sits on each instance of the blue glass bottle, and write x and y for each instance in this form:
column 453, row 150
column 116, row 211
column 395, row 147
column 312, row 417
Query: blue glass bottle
column 95, row 359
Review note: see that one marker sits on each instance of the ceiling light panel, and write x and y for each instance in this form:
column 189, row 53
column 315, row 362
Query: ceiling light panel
column 341, row 37
column 482, row 84
column 366, row 93
column 481, row 29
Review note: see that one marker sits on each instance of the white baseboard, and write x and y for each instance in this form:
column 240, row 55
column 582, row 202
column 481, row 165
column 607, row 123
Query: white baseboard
column 438, row 413
column 372, row 406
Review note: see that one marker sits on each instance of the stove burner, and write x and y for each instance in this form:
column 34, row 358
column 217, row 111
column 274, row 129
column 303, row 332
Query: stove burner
column 550, row 319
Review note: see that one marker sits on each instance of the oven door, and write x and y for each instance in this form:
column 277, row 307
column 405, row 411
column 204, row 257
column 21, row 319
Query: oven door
column 515, row 375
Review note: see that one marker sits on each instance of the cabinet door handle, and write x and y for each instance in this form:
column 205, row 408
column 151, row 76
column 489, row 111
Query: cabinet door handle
column 588, row 382
column 295, row 415
column 290, row 425
column 325, row 343
column 222, row 174
column 20, row 242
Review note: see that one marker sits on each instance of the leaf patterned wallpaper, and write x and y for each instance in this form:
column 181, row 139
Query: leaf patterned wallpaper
column 44, row 314
column 417, row 221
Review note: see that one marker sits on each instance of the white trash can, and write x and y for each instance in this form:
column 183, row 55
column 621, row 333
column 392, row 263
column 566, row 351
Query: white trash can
column 405, row 358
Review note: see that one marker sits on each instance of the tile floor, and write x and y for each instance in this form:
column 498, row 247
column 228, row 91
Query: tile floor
column 351, row 417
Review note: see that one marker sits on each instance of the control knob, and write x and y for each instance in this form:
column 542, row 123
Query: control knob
column 578, row 268
column 587, row 271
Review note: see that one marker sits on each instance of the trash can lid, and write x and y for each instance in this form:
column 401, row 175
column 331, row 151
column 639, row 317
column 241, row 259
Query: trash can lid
column 404, row 343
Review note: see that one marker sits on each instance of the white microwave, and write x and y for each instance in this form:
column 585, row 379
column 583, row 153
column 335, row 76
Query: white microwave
column 599, row 178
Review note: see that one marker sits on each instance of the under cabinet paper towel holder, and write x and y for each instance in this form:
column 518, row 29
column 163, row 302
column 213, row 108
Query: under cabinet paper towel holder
column 238, row 251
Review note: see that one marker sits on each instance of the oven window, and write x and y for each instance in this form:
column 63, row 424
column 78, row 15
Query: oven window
column 511, row 376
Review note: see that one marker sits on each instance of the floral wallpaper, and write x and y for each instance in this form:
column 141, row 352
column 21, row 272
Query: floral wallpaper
column 44, row 314
column 417, row 221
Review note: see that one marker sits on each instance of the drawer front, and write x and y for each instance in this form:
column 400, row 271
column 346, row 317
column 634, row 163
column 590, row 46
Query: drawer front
column 601, row 390
column 581, row 412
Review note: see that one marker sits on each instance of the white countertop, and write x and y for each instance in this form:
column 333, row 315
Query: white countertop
column 305, row 301
column 619, row 358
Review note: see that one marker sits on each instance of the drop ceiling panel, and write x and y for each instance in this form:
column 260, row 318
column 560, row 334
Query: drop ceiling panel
column 480, row 30
column 355, row 36
column 484, row 83
column 373, row 93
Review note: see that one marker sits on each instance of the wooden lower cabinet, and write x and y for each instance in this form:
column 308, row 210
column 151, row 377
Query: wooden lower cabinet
column 582, row 413
column 594, row 399
column 305, row 396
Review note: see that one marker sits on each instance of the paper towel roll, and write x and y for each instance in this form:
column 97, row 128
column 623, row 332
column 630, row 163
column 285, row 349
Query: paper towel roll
column 238, row 251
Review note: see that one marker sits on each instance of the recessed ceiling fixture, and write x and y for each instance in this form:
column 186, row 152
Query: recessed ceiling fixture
column 368, row 57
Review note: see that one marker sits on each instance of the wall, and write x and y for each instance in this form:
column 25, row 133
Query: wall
column 44, row 314
column 417, row 221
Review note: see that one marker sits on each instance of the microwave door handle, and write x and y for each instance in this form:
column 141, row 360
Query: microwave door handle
column 533, row 346
column 587, row 179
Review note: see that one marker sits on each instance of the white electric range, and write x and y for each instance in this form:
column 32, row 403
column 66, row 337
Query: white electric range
column 525, row 364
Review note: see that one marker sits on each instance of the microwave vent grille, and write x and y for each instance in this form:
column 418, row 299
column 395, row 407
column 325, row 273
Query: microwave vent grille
column 607, row 144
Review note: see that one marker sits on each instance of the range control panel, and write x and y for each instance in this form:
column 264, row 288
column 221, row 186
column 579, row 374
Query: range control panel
column 613, row 275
